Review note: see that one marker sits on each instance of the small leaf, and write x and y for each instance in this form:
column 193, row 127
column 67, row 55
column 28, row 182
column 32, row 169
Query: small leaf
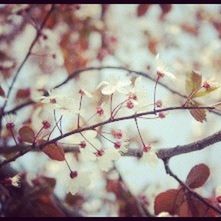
column 197, row 176
column 198, row 114
column 26, row 134
column 54, row 152
column 193, row 82
column 142, row 9
column 2, row 92
column 165, row 202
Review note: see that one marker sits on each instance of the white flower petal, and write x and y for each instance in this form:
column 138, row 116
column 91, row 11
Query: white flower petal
column 108, row 90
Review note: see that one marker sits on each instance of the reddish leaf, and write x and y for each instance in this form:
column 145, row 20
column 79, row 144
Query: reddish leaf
column 165, row 8
column 23, row 93
column 54, row 152
column 197, row 176
column 26, row 134
column 142, row 9
column 165, row 202
column 193, row 82
column 184, row 210
column 197, row 208
column 197, row 114
column 2, row 92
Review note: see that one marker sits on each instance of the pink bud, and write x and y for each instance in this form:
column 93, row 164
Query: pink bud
column 81, row 92
column 206, row 85
column 99, row 153
column 73, row 174
column 130, row 104
column 146, row 148
column 117, row 134
column 83, row 144
column 46, row 124
column 10, row 125
column 117, row 144
column 159, row 103
column 161, row 115
column 100, row 111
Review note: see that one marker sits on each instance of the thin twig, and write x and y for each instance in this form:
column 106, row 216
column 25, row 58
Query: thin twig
column 23, row 62
column 139, row 131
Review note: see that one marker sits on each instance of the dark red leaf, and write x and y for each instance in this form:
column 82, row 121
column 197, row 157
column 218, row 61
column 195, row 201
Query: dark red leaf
column 142, row 9
column 197, row 176
column 165, row 202
column 26, row 134
column 54, row 152
column 23, row 93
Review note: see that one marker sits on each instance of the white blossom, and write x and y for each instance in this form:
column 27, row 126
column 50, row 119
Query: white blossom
column 164, row 214
column 138, row 95
column 149, row 157
column 16, row 180
column 80, row 182
column 105, row 162
column 162, row 68
column 114, row 85
column 89, row 138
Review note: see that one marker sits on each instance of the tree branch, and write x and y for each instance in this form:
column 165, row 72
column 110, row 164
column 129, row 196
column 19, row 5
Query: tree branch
column 194, row 146
column 92, row 127
column 139, row 73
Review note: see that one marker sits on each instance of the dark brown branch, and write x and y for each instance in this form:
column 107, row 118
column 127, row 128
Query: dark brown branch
column 79, row 130
column 194, row 146
column 13, row 111
column 193, row 193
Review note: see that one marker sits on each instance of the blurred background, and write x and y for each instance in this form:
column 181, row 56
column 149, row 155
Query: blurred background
column 187, row 37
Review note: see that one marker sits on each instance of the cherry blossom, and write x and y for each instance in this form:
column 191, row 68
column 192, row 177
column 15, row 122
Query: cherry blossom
column 121, row 145
column 138, row 95
column 90, row 141
column 162, row 69
column 15, row 180
column 103, row 111
column 149, row 157
column 10, row 121
column 79, row 182
column 106, row 160
column 115, row 85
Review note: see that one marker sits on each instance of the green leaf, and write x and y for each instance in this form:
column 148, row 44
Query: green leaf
column 193, row 82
